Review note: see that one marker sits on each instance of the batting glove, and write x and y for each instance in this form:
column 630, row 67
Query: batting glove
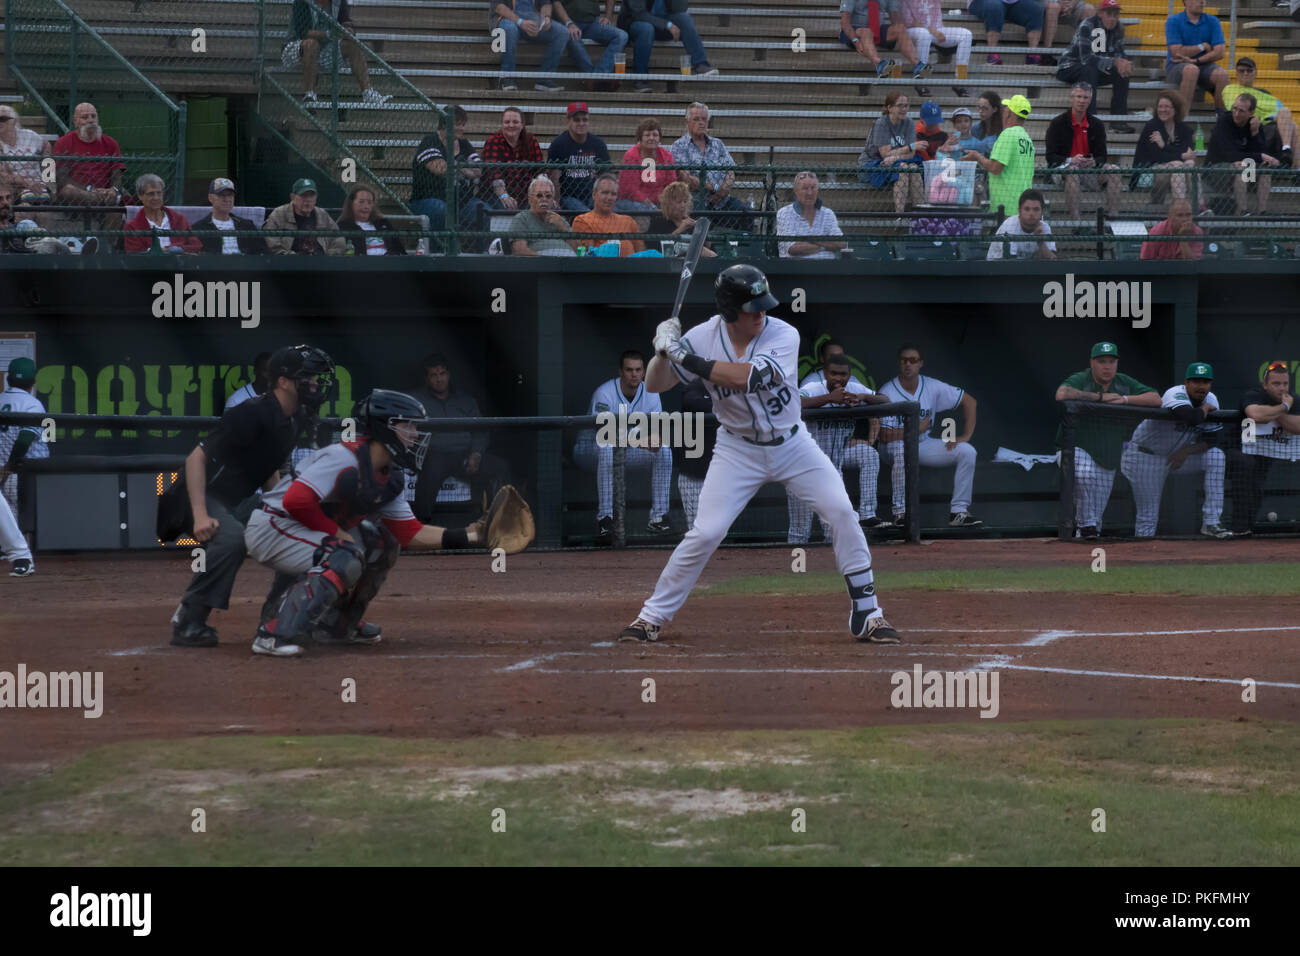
column 668, row 339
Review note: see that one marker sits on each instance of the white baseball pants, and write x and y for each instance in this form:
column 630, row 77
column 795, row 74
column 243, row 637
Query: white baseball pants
column 600, row 458
column 1147, row 473
column 860, row 456
column 1092, row 484
column 13, row 546
column 932, row 453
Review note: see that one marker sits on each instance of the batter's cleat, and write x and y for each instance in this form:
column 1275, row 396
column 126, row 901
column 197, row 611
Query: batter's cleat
column 604, row 532
column 639, row 630
column 963, row 519
column 659, row 526
column 23, row 568
column 879, row 632
column 274, row 646
column 1089, row 532
column 1215, row 531
column 873, row 523
column 363, row 633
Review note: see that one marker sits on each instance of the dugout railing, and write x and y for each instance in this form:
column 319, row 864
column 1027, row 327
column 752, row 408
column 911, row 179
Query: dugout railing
column 1115, row 469
column 86, row 501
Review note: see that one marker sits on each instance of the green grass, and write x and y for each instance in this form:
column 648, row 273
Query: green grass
column 1214, row 580
column 1175, row 793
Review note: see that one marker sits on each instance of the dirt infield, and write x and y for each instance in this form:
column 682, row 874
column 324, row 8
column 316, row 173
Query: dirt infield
column 469, row 652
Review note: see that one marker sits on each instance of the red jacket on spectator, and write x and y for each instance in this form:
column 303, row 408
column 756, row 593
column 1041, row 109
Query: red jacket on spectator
column 632, row 186
column 144, row 229
column 497, row 150
column 1169, row 249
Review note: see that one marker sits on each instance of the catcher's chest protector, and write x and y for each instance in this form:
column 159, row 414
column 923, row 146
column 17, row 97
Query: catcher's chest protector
column 359, row 492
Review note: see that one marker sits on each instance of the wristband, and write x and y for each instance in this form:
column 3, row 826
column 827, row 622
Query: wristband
column 568, row 23
column 1125, row 399
column 698, row 365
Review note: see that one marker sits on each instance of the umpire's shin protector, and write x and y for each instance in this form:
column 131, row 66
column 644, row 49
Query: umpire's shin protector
column 381, row 554
column 337, row 569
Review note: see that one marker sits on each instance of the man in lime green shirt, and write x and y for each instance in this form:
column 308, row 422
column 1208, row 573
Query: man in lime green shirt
column 1268, row 108
column 1011, row 163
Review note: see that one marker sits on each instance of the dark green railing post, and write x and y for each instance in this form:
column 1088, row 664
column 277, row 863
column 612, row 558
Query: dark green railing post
column 180, row 120
column 72, row 65
column 261, row 43
column 451, row 220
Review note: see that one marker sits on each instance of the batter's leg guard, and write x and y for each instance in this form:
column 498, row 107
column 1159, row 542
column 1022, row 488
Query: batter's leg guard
column 862, row 600
column 338, row 567
column 341, row 623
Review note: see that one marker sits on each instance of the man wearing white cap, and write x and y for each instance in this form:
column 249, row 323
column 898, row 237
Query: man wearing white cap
column 223, row 224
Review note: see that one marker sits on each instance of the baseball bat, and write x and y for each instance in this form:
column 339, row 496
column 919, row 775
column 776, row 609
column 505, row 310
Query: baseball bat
column 693, row 253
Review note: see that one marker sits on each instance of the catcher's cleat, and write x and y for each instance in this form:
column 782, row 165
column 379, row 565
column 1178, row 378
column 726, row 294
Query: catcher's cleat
column 1215, row 531
column 22, row 568
column 659, row 526
column 605, row 532
column 879, row 632
column 363, row 633
column 640, row 630
column 963, row 519
column 273, row 646
column 873, row 523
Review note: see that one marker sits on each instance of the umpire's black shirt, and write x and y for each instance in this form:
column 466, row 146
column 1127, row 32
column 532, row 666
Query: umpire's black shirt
column 252, row 441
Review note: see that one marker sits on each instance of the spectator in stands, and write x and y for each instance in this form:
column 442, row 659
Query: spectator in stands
column 674, row 217
column 1166, row 142
column 1107, row 66
column 648, row 20
column 994, row 13
column 1077, row 140
column 603, row 219
column 221, row 197
column 859, row 33
column 462, row 455
column 577, row 156
column 88, row 183
column 1010, row 164
column 1195, row 43
column 370, row 233
column 963, row 128
column 523, row 19
column 429, row 180
column 1027, row 222
column 1236, row 140
column 891, row 145
column 155, row 216
column 300, row 212
column 639, row 188
column 696, row 148
column 540, row 216
column 1272, row 408
column 16, row 243
column 806, row 216
column 1099, row 442
column 584, row 20
column 985, row 131
column 1178, row 224
column 1074, row 12
column 310, row 42
column 923, row 20
column 929, row 133
column 17, row 141
column 1268, row 109
column 12, row 243
column 512, row 143
column 260, row 384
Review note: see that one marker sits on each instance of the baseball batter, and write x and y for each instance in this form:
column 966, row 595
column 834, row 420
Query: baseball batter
column 1183, row 445
column 19, row 441
column 835, row 438
column 750, row 362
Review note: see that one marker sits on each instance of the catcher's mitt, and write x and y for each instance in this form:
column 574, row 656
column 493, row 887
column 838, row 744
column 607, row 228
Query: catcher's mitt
column 508, row 523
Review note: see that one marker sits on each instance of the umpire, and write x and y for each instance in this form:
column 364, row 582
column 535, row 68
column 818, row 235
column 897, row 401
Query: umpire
column 223, row 473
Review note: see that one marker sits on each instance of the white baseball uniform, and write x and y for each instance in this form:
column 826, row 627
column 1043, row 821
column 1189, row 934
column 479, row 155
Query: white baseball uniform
column 819, row 375
column 833, row 437
column 609, row 397
column 19, row 400
column 760, row 439
column 933, row 396
column 1145, row 461
column 13, row 546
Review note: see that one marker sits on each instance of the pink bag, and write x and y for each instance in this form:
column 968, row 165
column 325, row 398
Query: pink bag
column 942, row 191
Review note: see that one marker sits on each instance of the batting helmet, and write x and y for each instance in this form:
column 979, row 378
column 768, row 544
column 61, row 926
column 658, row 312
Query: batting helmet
column 300, row 362
column 742, row 288
column 388, row 417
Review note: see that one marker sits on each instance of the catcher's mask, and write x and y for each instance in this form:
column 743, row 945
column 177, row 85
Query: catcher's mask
column 303, row 363
column 389, row 418
column 742, row 288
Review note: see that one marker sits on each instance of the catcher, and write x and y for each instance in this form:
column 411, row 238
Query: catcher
column 333, row 530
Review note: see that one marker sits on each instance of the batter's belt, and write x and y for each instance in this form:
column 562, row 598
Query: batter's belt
column 766, row 444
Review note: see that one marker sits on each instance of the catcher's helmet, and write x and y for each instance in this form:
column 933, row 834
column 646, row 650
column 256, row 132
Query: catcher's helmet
column 388, row 417
column 300, row 362
column 742, row 288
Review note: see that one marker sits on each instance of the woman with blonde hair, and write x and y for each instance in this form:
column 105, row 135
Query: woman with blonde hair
column 674, row 216
column 17, row 141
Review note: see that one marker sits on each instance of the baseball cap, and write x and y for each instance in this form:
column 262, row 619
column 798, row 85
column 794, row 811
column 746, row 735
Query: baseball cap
column 303, row 186
column 22, row 372
column 1108, row 5
column 1246, row 61
column 1019, row 105
column 220, row 185
column 1199, row 370
column 931, row 115
column 578, row 107
column 1104, row 348
column 961, row 111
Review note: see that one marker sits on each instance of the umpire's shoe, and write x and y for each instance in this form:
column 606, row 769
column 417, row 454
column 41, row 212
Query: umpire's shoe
column 363, row 633
column 639, row 630
column 605, row 532
column 189, row 629
column 272, row 646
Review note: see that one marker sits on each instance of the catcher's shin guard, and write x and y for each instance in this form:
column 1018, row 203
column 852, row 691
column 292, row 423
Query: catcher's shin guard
column 339, row 566
column 381, row 554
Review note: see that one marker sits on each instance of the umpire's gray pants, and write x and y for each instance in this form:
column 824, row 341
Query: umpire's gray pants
column 223, row 554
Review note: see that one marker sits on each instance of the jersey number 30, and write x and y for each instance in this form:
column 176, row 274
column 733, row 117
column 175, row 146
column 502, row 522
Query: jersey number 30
column 779, row 400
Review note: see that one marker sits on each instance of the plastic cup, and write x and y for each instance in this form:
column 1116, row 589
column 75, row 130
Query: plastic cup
column 666, row 246
column 684, row 64
column 620, row 63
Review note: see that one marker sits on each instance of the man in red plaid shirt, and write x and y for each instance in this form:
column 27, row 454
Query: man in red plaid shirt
column 511, row 144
